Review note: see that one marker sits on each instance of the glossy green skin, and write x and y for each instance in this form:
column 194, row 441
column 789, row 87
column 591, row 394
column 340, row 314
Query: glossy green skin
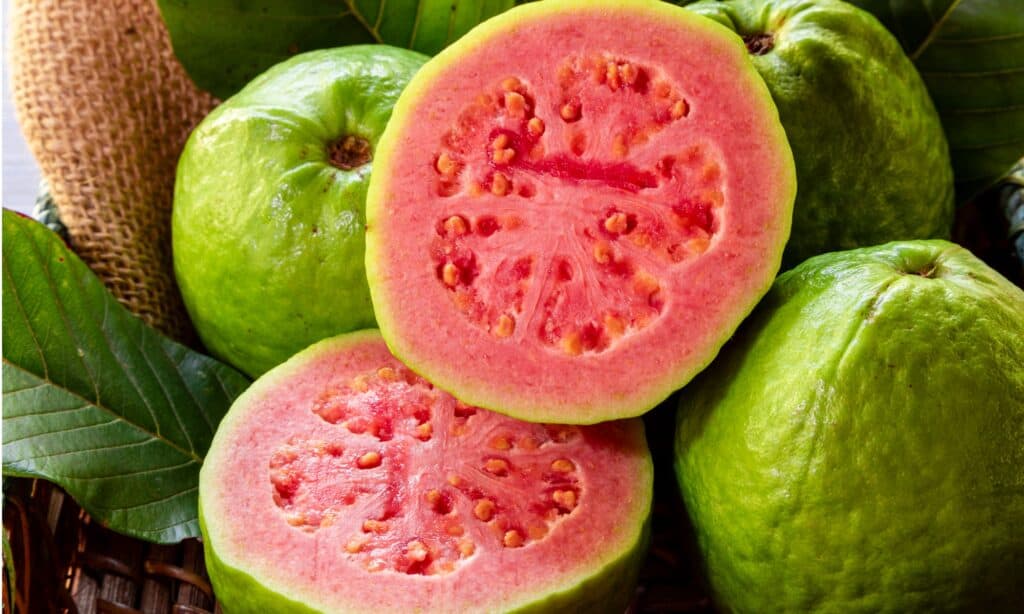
column 872, row 161
column 268, row 236
column 858, row 447
column 971, row 55
column 225, row 43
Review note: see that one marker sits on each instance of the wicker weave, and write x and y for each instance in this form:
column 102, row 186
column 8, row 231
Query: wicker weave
column 106, row 108
column 66, row 563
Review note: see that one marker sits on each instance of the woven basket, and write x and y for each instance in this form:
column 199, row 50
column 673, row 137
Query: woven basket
column 63, row 562
column 66, row 563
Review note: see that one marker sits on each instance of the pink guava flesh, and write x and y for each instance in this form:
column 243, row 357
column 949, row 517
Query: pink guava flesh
column 576, row 210
column 357, row 485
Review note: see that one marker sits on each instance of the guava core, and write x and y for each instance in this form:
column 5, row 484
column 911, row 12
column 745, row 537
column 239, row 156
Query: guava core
column 574, row 206
column 342, row 482
column 269, row 204
column 858, row 446
column 872, row 160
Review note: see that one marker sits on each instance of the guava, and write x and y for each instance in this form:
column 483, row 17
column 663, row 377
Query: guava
column 872, row 160
column 574, row 206
column 343, row 482
column 269, row 204
column 859, row 445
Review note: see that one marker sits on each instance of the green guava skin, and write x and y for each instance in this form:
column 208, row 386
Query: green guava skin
column 872, row 161
column 268, row 236
column 859, row 445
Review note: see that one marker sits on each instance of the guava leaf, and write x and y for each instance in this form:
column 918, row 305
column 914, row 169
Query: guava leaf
column 971, row 56
column 96, row 401
column 225, row 43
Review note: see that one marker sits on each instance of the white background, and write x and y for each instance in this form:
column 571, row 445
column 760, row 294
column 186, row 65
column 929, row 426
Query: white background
column 20, row 180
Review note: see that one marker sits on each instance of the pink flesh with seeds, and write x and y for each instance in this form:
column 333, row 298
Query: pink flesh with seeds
column 583, row 220
column 378, row 492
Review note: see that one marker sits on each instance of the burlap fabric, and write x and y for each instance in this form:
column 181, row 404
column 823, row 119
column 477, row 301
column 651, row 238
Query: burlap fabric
column 106, row 108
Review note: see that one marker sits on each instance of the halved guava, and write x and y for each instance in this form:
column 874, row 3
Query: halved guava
column 574, row 206
column 343, row 482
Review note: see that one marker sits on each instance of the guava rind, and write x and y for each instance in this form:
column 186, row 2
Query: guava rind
column 857, row 446
column 504, row 395
column 238, row 591
column 871, row 156
column 607, row 589
column 269, row 237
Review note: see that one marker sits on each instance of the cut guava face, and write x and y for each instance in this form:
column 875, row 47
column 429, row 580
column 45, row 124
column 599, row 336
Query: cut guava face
column 574, row 206
column 269, row 204
column 343, row 482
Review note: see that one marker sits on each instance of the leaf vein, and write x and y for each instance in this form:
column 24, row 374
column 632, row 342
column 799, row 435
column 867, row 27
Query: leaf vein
column 415, row 22
column 156, row 501
column 24, row 312
column 138, row 427
column 50, row 413
column 104, row 448
column 59, row 304
column 980, row 40
column 163, row 389
column 934, row 30
column 61, row 431
column 380, row 15
column 362, row 20
column 131, row 473
column 8, row 391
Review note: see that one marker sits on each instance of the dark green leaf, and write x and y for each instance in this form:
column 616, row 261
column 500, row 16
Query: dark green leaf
column 971, row 55
column 96, row 401
column 225, row 43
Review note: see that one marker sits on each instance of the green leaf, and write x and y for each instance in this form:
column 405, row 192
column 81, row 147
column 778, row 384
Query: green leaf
column 225, row 43
column 971, row 56
column 96, row 401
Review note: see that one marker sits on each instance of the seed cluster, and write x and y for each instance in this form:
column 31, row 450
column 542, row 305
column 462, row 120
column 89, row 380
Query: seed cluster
column 502, row 149
column 383, row 416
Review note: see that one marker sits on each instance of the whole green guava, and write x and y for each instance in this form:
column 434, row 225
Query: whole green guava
column 269, row 204
column 858, row 446
column 872, row 160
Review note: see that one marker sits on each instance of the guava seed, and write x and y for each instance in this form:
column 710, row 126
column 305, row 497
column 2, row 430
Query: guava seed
column 374, row 526
column 369, row 460
column 512, row 539
column 496, row 466
column 563, row 465
column 484, row 510
column 570, row 112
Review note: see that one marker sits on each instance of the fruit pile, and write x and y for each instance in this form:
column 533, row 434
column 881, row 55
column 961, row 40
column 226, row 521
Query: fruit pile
column 571, row 215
